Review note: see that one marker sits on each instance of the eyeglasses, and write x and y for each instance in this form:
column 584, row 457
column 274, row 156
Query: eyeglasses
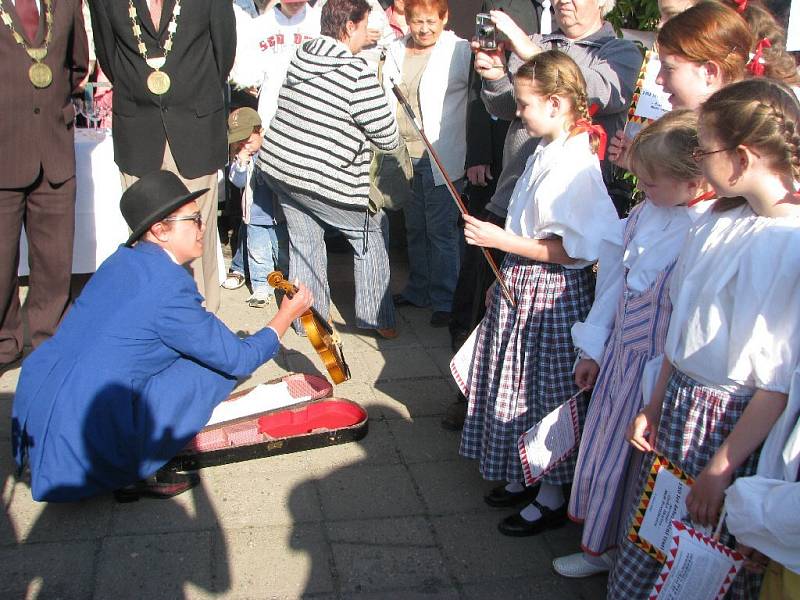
column 196, row 217
column 699, row 154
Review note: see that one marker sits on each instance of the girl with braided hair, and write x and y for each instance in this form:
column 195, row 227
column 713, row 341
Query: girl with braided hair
column 560, row 221
column 731, row 347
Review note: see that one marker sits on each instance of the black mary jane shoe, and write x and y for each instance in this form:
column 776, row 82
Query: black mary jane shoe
column 518, row 526
column 500, row 497
column 159, row 486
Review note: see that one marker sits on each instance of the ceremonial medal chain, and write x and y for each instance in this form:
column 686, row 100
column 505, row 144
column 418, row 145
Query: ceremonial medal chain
column 157, row 82
column 40, row 74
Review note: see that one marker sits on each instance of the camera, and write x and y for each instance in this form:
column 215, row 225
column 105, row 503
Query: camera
column 485, row 32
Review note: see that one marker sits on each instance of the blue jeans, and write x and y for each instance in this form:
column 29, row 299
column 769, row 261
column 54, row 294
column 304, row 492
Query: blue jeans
column 434, row 240
column 267, row 247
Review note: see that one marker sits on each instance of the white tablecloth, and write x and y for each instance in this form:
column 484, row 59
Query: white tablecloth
column 99, row 226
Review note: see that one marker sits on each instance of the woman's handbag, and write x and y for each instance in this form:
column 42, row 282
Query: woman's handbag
column 390, row 173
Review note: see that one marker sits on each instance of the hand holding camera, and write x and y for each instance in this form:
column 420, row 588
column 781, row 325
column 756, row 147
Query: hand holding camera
column 489, row 52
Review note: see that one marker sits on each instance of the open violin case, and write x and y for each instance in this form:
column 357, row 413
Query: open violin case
column 318, row 421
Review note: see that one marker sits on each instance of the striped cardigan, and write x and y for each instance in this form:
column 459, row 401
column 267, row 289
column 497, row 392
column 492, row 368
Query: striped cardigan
column 330, row 109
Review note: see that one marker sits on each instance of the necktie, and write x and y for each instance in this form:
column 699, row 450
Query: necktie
column 546, row 26
column 29, row 15
column 155, row 13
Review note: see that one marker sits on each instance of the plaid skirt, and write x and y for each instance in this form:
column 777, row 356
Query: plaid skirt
column 695, row 421
column 522, row 368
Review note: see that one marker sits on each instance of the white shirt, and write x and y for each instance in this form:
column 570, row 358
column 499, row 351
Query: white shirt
column 762, row 510
column 655, row 244
column 735, row 294
column 265, row 46
column 561, row 193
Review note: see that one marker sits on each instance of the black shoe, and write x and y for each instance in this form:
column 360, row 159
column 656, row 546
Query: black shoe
column 455, row 414
column 440, row 318
column 400, row 300
column 518, row 526
column 160, row 486
column 500, row 497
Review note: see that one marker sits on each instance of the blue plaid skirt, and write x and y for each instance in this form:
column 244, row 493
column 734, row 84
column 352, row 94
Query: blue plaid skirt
column 695, row 421
column 523, row 363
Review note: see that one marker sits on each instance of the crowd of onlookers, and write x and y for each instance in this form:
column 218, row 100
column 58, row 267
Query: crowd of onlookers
column 667, row 327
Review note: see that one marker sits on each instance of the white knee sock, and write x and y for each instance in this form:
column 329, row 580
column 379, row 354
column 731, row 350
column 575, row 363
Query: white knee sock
column 550, row 496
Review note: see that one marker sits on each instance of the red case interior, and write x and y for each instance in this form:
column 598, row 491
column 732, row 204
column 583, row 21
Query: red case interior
column 324, row 415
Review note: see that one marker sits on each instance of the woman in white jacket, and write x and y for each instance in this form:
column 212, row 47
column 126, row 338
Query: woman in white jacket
column 431, row 67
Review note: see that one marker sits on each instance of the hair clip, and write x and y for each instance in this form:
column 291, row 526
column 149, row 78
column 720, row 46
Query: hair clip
column 756, row 64
column 741, row 5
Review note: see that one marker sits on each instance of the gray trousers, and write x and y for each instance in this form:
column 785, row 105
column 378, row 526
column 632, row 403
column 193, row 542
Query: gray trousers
column 307, row 219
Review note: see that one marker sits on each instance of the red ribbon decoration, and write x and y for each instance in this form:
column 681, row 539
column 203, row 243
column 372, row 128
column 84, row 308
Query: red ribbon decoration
column 593, row 128
column 755, row 66
column 741, row 5
column 702, row 197
column 593, row 108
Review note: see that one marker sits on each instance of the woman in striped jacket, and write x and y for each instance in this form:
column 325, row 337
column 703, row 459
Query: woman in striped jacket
column 317, row 156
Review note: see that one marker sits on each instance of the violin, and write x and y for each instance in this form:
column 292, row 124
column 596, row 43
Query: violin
column 319, row 331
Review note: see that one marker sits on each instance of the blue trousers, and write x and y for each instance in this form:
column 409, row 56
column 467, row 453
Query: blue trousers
column 434, row 240
column 267, row 249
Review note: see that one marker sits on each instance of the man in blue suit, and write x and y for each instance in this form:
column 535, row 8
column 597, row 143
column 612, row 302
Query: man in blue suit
column 137, row 365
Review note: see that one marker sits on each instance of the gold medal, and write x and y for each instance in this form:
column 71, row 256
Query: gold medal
column 158, row 82
column 40, row 75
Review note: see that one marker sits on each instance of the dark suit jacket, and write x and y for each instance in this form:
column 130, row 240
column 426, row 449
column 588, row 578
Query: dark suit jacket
column 191, row 114
column 36, row 124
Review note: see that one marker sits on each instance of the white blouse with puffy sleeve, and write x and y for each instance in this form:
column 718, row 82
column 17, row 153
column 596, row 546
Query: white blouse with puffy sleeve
column 561, row 193
column 736, row 301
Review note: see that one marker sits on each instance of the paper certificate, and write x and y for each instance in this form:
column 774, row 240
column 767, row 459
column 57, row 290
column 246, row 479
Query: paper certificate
column 650, row 101
column 260, row 399
column 696, row 567
column 663, row 500
column 462, row 361
column 551, row 441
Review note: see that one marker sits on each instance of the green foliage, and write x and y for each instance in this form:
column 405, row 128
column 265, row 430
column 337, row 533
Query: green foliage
column 634, row 14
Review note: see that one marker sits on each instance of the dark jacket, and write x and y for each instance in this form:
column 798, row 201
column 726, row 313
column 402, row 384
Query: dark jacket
column 191, row 114
column 36, row 125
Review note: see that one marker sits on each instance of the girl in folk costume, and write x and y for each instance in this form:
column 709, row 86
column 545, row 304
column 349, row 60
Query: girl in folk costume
column 732, row 346
column 625, row 331
column 560, row 220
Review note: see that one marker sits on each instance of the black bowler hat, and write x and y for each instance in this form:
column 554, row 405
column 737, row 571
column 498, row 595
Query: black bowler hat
column 152, row 198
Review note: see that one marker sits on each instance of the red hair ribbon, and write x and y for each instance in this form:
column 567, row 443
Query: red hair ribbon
column 593, row 108
column 741, row 5
column 756, row 65
column 702, row 197
column 593, row 129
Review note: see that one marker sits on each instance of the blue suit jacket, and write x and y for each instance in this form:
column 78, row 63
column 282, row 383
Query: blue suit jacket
column 131, row 375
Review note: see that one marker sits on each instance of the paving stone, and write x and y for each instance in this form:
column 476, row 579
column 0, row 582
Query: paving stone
column 406, row 594
column 359, row 492
column 551, row 587
column 274, row 562
column 155, row 565
column 232, row 502
column 28, row 521
column 449, row 487
column 391, row 364
column 477, row 552
column 413, row 397
column 386, row 554
column 54, row 570
column 423, row 440
column 377, row 448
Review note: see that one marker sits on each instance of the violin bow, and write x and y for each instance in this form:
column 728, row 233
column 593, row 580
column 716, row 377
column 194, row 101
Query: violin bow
column 450, row 187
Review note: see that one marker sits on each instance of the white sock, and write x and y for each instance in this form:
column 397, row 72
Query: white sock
column 514, row 487
column 550, row 496
column 601, row 562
